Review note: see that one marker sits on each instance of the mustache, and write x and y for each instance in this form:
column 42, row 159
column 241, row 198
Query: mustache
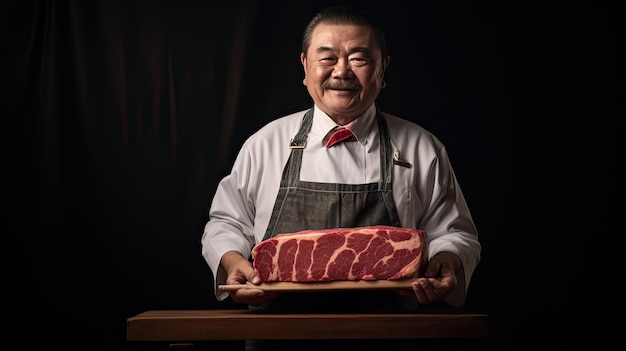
column 341, row 84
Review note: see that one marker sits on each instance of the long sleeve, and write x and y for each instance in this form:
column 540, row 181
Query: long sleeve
column 429, row 197
column 230, row 227
column 244, row 199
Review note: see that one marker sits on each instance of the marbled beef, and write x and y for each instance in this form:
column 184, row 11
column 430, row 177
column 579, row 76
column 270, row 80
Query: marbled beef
column 363, row 253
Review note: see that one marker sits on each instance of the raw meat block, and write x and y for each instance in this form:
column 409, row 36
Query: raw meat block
column 363, row 253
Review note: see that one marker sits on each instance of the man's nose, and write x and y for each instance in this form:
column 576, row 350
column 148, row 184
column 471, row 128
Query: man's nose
column 342, row 69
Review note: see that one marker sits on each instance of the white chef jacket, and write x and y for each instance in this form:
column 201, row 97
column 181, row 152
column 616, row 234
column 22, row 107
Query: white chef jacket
column 427, row 195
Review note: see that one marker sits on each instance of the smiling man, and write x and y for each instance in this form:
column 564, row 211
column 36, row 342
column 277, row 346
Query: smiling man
column 289, row 176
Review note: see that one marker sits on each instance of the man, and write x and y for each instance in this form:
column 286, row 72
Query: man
column 397, row 172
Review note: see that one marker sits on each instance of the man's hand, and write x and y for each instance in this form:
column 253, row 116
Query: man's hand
column 438, row 281
column 241, row 271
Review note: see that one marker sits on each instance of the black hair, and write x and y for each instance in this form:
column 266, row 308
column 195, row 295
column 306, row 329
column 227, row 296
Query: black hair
column 346, row 14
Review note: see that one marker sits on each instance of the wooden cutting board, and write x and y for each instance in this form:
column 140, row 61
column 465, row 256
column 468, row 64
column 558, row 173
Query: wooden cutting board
column 325, row 286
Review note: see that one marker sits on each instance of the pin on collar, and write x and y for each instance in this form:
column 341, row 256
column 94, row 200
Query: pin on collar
column 400, row 162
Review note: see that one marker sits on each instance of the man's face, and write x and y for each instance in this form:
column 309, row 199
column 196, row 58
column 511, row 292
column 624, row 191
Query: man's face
column 343, row 70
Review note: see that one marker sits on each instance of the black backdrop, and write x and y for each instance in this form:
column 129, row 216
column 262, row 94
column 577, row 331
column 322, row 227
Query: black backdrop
column 120, row 117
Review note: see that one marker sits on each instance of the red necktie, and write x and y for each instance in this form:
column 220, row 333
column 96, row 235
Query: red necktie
column 340, row 135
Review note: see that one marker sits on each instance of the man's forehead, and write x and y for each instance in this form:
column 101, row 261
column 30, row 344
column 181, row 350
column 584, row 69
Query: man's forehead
column 328, row 34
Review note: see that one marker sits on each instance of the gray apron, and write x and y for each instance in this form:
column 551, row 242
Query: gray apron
column 309, row 205
column 304, row 205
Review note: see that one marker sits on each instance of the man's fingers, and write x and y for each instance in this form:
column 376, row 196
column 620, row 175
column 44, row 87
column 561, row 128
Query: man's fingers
column 244, row 295
column 252, row 297
column 254, row 278
column 426, row 290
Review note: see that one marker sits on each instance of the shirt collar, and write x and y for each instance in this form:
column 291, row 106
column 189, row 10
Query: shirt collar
column 360, row 127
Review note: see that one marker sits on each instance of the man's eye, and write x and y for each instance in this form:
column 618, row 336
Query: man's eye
column 358, row 61
column 327, row 61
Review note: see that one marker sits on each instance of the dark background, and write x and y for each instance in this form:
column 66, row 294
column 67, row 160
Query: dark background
column 120, row 117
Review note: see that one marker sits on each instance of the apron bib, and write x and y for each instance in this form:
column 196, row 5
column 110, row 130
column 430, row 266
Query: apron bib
column 309, row 205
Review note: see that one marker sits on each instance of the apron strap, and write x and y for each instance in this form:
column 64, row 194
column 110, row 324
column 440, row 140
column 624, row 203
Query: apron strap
column 386, row 170
column 385, row 153
column 297, row 145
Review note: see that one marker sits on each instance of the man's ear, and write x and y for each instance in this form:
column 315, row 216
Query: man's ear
column 303, row 61
column 385, row 65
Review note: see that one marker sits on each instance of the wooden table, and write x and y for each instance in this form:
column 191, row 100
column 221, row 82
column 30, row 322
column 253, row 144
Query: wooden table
column 204, row 325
